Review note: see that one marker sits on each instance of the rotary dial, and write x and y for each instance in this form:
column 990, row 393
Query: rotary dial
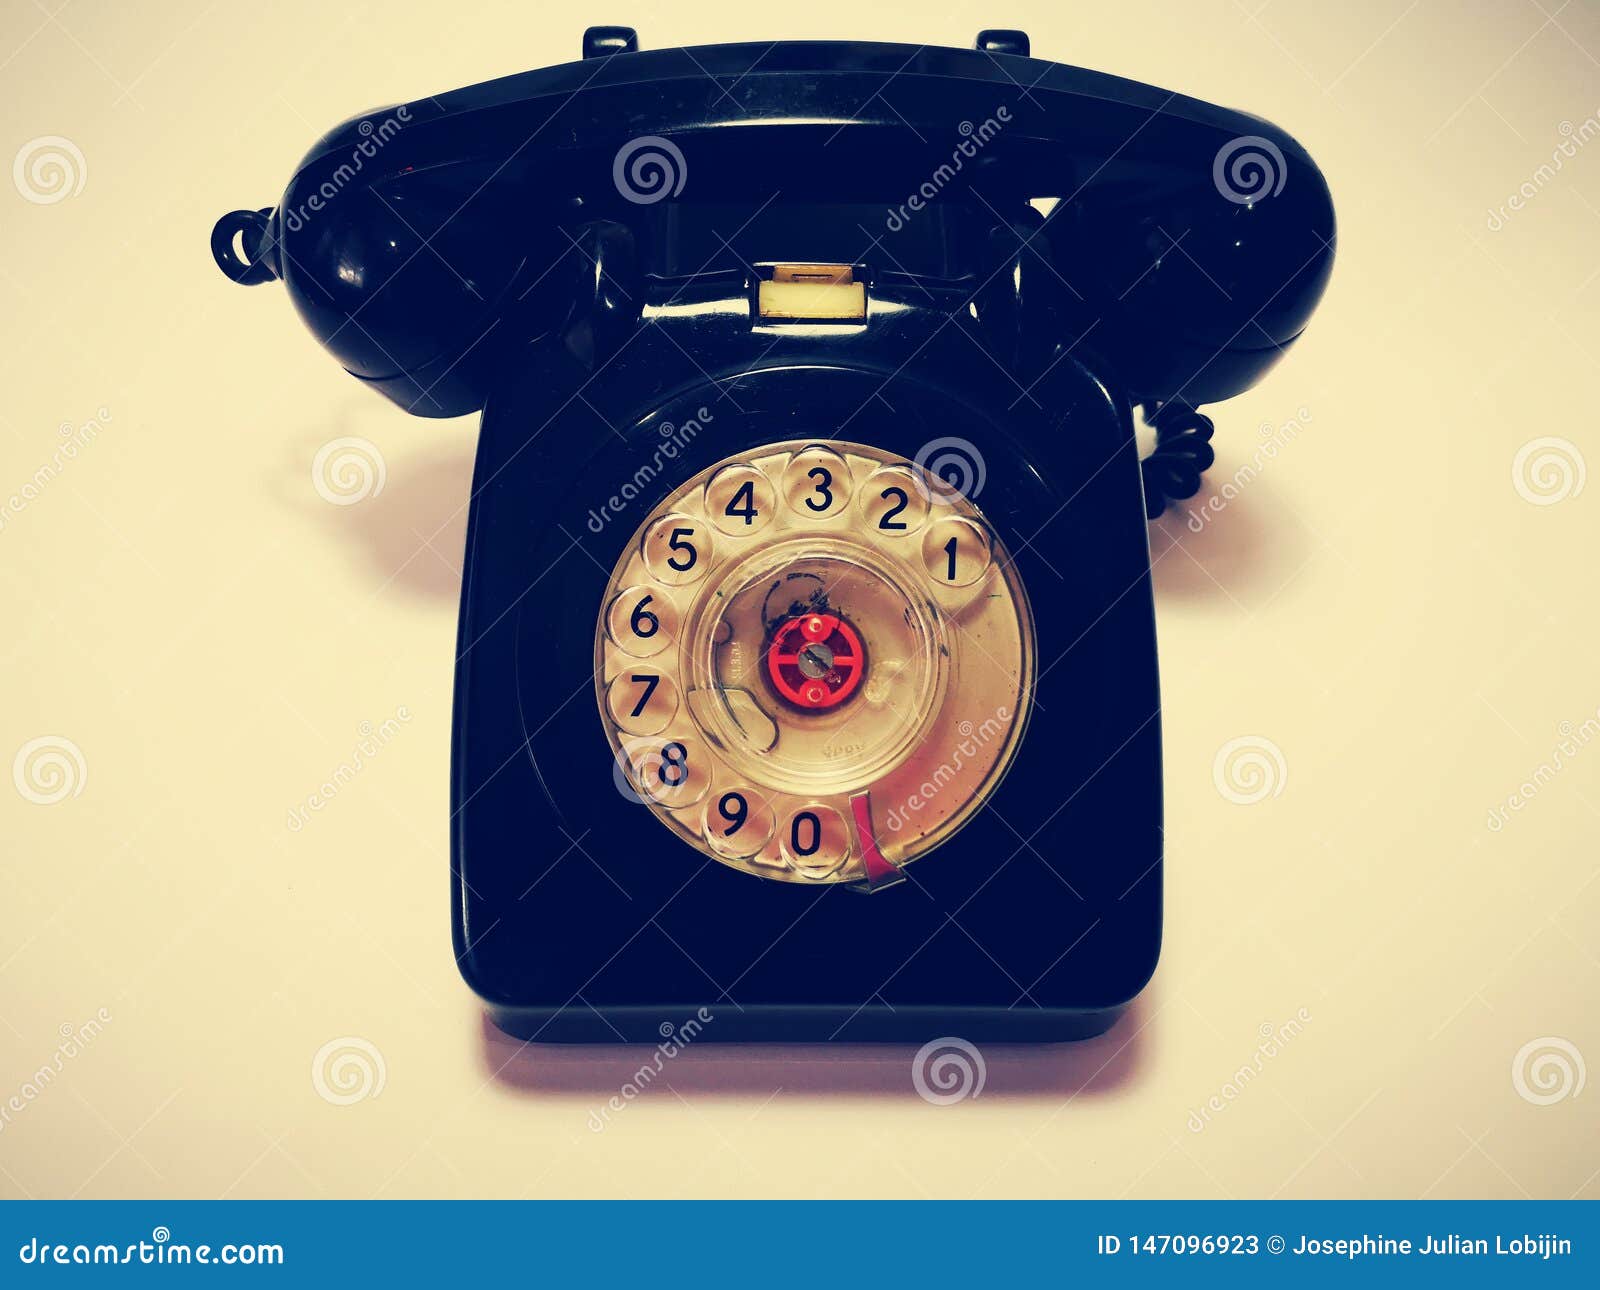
column 813, row 662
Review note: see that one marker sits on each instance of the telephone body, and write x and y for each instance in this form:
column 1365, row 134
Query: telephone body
column 806, row 678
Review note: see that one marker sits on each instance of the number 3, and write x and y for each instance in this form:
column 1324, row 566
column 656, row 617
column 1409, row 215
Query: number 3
column 823, row 489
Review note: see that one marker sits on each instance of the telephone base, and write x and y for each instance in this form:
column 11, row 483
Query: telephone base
column 728, row 1023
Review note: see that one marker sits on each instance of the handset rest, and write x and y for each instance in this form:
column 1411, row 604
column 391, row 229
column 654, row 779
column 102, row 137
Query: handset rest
column 422, row 244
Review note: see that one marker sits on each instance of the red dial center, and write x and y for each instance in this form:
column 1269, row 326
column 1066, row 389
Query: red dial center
column 816, row 660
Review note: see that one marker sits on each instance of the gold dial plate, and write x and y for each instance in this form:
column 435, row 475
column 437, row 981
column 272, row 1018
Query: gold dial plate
column 813, row 662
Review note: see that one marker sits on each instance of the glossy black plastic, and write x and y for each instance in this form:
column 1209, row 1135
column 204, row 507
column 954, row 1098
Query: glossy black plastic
column 1044, row 249
column 580, row 917
column 417, row 241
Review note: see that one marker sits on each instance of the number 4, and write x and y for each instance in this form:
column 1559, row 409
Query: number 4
column 746, row 495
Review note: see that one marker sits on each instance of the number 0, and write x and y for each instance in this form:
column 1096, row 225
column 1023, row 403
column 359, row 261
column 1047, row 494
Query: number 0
column 805, row 848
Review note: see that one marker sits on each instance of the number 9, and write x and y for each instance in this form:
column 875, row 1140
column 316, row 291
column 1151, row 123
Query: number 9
column 734, row 808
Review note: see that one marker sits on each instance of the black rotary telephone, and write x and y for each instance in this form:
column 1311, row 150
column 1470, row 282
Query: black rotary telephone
column 807, row 536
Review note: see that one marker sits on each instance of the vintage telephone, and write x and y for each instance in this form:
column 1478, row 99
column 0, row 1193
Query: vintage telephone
column 807, row 537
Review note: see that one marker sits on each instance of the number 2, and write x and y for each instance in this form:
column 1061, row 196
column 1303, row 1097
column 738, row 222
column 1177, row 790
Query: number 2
column 887, row 520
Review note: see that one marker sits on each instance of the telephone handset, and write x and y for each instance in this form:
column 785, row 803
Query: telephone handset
column 806, row 537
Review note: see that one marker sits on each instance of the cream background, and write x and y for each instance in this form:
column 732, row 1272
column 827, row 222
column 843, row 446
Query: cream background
column 1380, row 603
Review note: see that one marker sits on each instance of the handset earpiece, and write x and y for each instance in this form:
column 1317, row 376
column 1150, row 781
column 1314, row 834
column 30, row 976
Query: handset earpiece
column 1200, row 274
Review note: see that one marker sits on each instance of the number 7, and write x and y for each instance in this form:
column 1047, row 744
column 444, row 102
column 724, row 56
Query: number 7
column 649, row 682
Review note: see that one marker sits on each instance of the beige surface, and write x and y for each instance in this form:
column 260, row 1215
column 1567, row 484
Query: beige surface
column 1380, row 602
